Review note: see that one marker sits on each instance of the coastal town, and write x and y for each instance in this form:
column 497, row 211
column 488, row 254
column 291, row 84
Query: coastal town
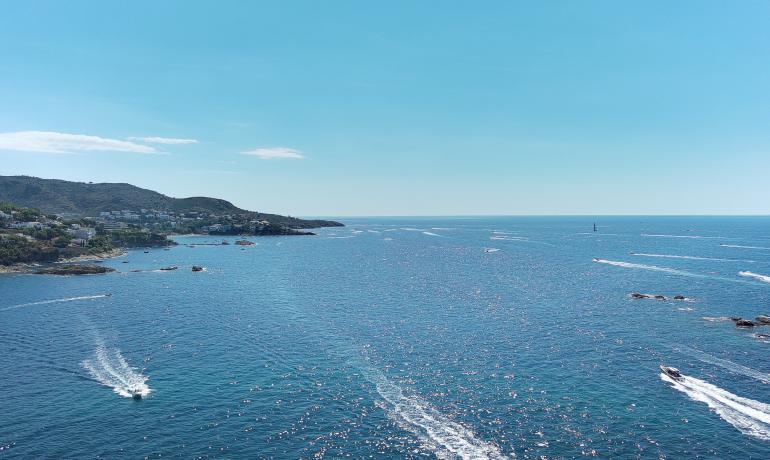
column 184, row 222
column 28, row 236
column 43, row 221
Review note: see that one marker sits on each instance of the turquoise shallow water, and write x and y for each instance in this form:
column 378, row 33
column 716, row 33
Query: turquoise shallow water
column 400, row 338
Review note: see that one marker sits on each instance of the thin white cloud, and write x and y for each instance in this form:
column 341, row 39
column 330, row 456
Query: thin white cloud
column 163, row 140
column 53, row 142
column 275, row 153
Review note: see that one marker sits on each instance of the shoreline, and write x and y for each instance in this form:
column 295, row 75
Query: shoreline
column 111, row 254
column 28, row 268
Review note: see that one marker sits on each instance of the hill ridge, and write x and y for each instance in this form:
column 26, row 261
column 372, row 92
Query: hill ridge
column 57, row 196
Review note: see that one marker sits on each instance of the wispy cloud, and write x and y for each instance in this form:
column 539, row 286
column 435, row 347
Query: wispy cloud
column 275, row 153
column 163, row 140
column 54, row 142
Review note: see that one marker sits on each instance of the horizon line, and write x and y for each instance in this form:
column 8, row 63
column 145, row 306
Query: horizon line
column 476, row 216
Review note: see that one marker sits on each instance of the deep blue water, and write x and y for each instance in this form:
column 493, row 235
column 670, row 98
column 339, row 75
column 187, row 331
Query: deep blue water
column 400, row 338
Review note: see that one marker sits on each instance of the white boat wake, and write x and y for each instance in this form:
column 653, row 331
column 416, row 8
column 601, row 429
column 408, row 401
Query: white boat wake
column 671, row 256
column 444, row 437
column 748, row 416
column 756, row 276
column 653, row 268
column 672, row 271
column 508, row 238
column 694, row 237
column 46, row 302
column 735, row 368
column 738, row 246
column 110, row 368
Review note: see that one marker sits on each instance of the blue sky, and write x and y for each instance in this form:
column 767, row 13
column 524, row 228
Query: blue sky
column 397, row 108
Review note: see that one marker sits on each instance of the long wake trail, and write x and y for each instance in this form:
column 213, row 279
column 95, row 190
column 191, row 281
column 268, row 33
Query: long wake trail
column 46, row 302
column 739, row 246
column 671, row 271
column 756, row 276
column 673, row 256
column 693, row 237
column 446, row 438
column 748, row 416
column 110, row 368
column 653, row 268
column 735, row 368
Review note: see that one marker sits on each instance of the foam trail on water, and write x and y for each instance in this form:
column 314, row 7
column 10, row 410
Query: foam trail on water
column 735, row 368
column 672, row 271
column 430, row 234
column 654, row 268
column 110, row 368
column 695, row 237
column 446, row 438
column 671, row 256
column 756, row 276
column 508, row 238
column 45, row 302
column 744, row 247
column 748, row 416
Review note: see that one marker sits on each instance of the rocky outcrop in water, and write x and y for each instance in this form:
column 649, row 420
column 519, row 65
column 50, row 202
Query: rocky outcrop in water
column 75, row 270
column 638, row 295
column 762, row 319
column 740, row 322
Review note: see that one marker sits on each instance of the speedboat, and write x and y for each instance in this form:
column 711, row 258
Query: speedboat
column 136, row 394
column 672, row 372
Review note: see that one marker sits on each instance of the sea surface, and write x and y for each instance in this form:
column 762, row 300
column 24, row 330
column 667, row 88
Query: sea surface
column 401, row 338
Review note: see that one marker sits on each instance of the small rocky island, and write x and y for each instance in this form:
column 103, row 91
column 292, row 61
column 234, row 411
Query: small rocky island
column 74, row 270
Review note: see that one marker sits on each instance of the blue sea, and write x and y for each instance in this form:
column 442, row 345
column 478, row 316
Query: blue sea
column 401, row 338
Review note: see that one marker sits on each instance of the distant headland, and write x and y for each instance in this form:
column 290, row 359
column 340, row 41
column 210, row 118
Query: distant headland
column 48, row 220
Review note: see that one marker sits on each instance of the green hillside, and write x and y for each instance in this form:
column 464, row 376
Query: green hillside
column 89, row 199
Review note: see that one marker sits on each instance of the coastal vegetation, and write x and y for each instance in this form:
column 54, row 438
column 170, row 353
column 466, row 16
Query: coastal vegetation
column 79, row 199
column 49, row 220
column 28, row 236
